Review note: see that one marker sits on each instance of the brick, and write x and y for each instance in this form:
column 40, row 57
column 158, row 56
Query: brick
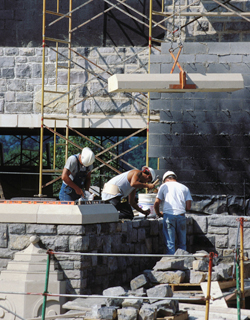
column 195, row 48
column 206, row 58
column 230, row 59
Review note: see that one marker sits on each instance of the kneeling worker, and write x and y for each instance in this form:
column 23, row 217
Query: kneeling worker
column 120, row 191
column 76, row 175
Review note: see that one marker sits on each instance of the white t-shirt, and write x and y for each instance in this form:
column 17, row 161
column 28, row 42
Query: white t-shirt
column 121, row 181
column 174, row 196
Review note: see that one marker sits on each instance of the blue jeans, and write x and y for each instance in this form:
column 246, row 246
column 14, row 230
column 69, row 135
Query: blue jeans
column 174, row 230
column 67, row 193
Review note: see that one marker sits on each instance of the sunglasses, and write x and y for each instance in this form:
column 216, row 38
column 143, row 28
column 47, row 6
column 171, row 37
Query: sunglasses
column 147, row 172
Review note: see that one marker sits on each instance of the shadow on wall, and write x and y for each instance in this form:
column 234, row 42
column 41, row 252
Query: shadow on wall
column 221, row 204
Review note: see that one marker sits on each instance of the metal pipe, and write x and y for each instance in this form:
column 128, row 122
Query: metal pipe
column 122, row 254
column 42, row 103
column 68, row 88
column 149, row 53
column 211, row 255
column 102, row 296
column 46, row 287
column 15, row 314
column 100, row 146
column 238, row 284
column 242, row 263
column 204, row 14
column 236, row 13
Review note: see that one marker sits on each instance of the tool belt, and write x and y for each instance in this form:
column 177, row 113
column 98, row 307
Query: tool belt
column 111, row 189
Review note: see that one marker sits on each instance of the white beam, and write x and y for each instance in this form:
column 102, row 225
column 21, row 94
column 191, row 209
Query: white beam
column 211, row 82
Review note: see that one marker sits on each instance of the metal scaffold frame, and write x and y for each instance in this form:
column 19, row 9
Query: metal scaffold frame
column 150, row 25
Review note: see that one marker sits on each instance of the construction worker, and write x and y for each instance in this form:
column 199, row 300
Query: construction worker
column 176, row 200
column 120, row 191
column 76, row 175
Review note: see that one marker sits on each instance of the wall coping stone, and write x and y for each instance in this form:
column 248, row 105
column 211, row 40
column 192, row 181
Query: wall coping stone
column 57, row 213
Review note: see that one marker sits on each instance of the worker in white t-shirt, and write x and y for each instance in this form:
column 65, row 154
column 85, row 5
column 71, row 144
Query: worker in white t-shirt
column 175, row 199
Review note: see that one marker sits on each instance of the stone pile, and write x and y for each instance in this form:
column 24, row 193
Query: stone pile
column 150, row 295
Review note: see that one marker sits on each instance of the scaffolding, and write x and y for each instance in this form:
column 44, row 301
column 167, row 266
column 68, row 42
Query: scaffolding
column 51, row 17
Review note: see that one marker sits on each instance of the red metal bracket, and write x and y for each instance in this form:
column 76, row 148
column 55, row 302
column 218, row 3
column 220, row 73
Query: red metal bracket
column 182, row 75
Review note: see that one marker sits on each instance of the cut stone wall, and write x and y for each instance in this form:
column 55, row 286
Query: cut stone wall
column 21, row 79
column 91, row 274
column 21, row 23
column 204, row 136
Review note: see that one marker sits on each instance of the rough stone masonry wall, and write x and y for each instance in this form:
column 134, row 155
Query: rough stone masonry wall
column 204, row 137
column 90, row 274
column 21, row 79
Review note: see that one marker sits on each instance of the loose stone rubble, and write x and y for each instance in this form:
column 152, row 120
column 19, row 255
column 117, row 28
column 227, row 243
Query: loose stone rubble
column 150, row 295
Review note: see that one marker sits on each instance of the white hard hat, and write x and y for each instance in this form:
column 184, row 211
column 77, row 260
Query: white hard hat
column 152, row 172
column 167, row 174
column 87, row 156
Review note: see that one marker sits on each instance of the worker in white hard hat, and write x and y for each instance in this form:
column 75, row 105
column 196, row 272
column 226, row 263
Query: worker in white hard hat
column 121, row 190
column 76, row 175
column 176, row 200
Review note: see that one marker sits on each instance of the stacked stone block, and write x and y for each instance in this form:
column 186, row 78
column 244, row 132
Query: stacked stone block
column 91, row 274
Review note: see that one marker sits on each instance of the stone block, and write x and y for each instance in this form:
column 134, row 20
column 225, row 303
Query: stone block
column 200, row 265
column 224, row 271
column 166, row 308
column 70, row 230
column 133, row 303
column 1, row 105
column 24, row 97
column 197, row 276
column 147, row 312
column 107, row 313
column 78, row 243
column 138, row 282
column 18, row 242
column 8, row 73
column 17, row 228
column 169, row 264
column 159, row 292
column 7, row 62
column 160, row 277
column 23, row 71
column 127, row 314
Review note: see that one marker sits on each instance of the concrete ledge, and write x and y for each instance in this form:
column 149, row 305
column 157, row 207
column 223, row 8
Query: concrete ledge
column 58, row 214
column 32, row 121
column 211, row 82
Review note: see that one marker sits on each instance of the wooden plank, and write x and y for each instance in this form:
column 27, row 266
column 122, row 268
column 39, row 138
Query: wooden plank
column 227, row 284
column 223, row 284
column 181, row 315
column 191, row 308
column 214, row 293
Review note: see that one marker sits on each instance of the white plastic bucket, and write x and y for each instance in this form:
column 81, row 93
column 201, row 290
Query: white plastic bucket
column 146, row 201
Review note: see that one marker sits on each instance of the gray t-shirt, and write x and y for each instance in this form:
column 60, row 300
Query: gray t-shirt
column 73, row 165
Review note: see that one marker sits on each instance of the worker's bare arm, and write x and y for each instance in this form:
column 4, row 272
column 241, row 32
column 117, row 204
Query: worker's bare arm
column 157, row 207
column 135, row 205
column 188, row 205
column 135, row 178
